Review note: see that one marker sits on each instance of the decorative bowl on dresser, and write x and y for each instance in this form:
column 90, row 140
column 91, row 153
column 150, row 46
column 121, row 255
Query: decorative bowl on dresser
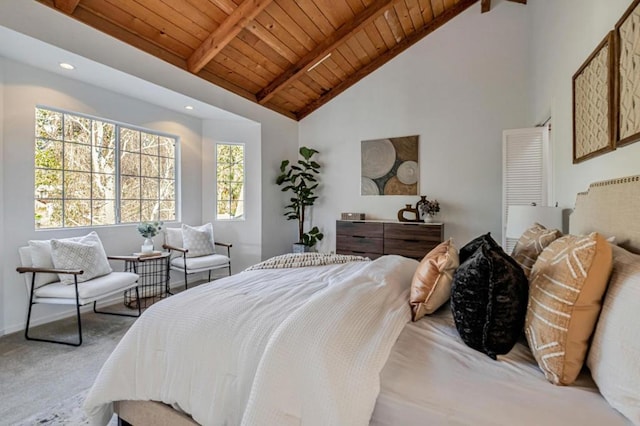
column 372, row 238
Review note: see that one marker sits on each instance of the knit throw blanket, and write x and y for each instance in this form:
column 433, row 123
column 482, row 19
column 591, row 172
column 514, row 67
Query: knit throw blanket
column 299, row 260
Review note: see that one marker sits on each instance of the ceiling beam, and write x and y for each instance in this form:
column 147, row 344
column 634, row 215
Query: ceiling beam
column 412, row 38
column 322, row 50
column 228, row 29
column 67, row 6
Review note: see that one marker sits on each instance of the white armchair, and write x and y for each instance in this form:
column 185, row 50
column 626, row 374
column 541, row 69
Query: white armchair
column 193, row 250
column 73, row 271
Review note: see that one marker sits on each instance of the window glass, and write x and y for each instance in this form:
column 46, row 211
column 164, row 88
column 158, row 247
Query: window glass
column 230, row 181
column 91, row 172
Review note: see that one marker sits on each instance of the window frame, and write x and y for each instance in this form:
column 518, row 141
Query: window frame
column 244, row 182
column 118, row 126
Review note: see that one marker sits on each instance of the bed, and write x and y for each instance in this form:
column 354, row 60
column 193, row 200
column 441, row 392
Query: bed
column 334, row 345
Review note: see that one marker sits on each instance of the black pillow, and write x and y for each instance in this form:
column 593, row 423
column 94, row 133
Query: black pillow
column 468, row 249
column 489, row 300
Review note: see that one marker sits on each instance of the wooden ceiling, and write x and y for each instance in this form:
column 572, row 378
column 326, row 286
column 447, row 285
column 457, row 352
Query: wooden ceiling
column 291, row 56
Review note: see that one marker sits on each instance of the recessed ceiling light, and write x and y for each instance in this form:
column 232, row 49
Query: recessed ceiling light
column 189, row 107
column 67, row 66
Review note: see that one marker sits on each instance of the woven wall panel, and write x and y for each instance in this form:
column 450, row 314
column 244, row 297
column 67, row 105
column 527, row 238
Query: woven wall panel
column 592, row 105
column 629, row 68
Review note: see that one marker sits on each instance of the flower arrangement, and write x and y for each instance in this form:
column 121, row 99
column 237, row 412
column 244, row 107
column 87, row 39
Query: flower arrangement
column 429, row 207
column 149, row 229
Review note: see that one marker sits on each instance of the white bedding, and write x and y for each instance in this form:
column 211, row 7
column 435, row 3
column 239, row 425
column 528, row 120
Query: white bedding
column 433, row 378
column 265, row 347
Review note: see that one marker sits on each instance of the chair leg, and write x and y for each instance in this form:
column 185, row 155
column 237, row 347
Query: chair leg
column 209, row 275
column 31, row 303
column 120, row 314
column 186, row 286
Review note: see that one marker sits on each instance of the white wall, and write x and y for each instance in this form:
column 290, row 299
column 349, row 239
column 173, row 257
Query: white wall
column 245, row 234
column 24, row 88
column 3, row 204
column 566, row 32
column 457, row 89
column 279, row 134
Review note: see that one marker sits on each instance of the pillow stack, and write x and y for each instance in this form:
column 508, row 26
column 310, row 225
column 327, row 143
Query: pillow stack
column 489, row 297
column 84, row 253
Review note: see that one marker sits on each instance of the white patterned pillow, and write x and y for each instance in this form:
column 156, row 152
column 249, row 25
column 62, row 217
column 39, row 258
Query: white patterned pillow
column 173, row 237
column 41, row 256
column 198, row 240
column 87, row 255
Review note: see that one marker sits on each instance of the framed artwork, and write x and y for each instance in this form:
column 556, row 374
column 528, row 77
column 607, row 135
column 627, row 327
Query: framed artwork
column 593, row 103
column 390, row 166
column 627, row 44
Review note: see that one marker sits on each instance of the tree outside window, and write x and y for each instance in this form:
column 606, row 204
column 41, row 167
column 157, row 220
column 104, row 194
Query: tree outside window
column 230, row 181
column 92, row 172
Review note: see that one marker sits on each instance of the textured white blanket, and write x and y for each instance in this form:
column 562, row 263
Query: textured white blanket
column 270, row 347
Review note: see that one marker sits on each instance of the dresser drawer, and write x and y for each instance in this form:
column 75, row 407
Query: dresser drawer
column 415, row 249
column 410, row 231
column 358, row 244
column 359, row 229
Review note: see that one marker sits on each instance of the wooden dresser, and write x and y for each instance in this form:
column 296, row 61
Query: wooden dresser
column 375, row 238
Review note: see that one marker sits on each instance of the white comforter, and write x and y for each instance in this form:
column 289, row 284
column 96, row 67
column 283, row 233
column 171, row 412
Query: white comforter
column 268, row 347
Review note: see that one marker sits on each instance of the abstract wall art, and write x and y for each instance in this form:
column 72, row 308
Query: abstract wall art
column 390, row 166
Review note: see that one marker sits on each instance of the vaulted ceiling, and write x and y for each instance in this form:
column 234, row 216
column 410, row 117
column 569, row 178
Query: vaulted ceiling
column 291, row 56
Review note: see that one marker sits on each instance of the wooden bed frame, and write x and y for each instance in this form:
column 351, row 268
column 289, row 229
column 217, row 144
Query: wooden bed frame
column 609, row 207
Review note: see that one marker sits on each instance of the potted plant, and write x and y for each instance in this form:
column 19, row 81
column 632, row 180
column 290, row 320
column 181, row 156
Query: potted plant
column 300, row 179
column 428, row 208
column 149, row 230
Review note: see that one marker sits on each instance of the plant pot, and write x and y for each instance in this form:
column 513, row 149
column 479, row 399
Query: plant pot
column 301, row 248
column 147, row 246
column 429, row 218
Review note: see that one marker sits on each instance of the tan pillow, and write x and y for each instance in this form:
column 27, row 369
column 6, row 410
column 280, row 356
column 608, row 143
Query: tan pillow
column 431, row 285
column 615, row 350
column 531, row 244
column 566, row 287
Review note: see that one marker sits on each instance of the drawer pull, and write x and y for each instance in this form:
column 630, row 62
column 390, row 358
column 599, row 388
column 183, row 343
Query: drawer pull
column 358, row 236
column 411, row 241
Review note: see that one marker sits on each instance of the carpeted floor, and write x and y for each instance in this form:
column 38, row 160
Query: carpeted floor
column 36, row 377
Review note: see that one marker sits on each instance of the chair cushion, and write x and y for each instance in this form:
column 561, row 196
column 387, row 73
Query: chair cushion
column 86, row 255
column 173, row 237
column 531, row 244
column 567, row 284
column 202, row 262
column 615, row 350
column 89, row 289
column 431, row 284
column 41, row 256
column 198, row 240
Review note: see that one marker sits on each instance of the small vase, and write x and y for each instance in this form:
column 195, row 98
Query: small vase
column 147, row 247
column 428, row 218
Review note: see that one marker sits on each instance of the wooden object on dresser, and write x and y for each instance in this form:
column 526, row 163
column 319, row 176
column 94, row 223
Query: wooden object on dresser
column 376, row 238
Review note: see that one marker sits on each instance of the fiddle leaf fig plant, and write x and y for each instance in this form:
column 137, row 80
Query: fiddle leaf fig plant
column 300, row 179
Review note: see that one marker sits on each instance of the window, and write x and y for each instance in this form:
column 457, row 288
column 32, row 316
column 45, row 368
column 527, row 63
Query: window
column 92, row 172
column 230, row 181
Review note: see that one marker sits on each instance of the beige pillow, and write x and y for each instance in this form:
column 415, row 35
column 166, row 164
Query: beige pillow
column 431, row 285
column 566, row 287
column 531, row 244
column 615, row 351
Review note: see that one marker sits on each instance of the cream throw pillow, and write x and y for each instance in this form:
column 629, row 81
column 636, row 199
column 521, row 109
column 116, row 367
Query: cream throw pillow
column 614, row 356
column 86, row 255
column 531, row 244
column 431, row 285
column 198, row 240
column 566, row 287
column 41, row 256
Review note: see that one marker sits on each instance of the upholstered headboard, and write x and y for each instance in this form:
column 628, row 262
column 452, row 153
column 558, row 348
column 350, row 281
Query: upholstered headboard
column 612, row 208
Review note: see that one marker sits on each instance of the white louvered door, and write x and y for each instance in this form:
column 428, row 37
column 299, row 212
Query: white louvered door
column 526, row 172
